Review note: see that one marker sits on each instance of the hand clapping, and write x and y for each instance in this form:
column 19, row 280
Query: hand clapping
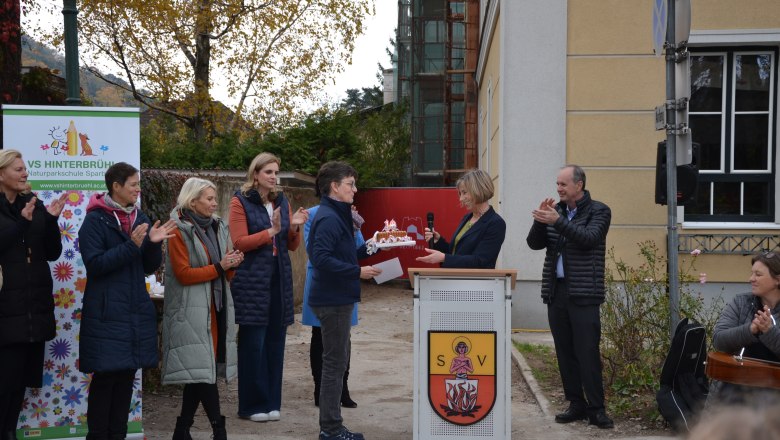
column 55, row 208
column 300, row 217
column 232, row 259
column 29, row 207
column 157, row 233
column 546, row 212
column 762, row 321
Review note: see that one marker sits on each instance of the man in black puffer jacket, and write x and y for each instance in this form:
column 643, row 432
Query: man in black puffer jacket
column 574, row 232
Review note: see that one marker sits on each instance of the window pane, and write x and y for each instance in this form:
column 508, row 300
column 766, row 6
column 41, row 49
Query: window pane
column 756, row 198
column 702, row 203
column 706, row 131
column 706, row 83
column 750, row 142
column 752, row 82
column 726, row 199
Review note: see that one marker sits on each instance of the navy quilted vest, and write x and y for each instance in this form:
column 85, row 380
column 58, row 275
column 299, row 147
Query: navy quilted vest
column 251, row 285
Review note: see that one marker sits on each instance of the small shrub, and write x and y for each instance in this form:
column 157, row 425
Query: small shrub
column 635, row 323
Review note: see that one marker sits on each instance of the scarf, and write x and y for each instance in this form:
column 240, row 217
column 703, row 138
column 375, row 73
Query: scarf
column 204, row 229
column 125, row 221
column 357, row 221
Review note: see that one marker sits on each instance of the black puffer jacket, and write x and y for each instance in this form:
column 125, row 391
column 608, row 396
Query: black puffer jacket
column 582, row 242
column 26, row 300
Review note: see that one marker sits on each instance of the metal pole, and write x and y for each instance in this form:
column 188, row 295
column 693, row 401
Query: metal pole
column 671, row 172
column 69, row 11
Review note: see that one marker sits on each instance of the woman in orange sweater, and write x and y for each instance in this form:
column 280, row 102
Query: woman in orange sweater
column 199, row 334
column 263, row 226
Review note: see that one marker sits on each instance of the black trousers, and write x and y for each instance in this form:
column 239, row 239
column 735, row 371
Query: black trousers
column 576, row 330
column 21, row 367
column 109, row 404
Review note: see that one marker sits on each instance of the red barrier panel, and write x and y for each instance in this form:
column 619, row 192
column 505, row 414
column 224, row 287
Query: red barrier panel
column 409, row 207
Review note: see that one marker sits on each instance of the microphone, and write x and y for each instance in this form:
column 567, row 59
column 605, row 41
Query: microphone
column 430, row 226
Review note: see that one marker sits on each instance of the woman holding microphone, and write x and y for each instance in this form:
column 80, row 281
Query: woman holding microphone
column 480, row 234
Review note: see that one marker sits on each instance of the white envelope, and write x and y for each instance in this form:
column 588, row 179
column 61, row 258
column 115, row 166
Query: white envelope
column 390, row 269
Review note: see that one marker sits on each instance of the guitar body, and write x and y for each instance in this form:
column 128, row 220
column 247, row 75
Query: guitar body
column 749, row 372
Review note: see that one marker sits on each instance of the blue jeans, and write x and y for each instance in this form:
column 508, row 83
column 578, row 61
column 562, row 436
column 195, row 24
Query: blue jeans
column 335, row 324
column 261, row 362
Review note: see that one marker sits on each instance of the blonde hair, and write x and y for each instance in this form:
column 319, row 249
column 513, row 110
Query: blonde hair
column 7, row 157
column 260, row 161
column 478, row 184
column 192, row 190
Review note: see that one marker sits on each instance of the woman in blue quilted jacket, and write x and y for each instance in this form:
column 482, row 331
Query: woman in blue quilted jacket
column 118, row 335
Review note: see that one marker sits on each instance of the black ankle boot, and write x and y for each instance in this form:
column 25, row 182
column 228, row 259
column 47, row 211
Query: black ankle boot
column 182, row 430
column 219, row 432
column 346, row 401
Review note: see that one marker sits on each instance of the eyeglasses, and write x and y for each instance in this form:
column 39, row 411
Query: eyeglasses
column 768, row 255
column 352, row 184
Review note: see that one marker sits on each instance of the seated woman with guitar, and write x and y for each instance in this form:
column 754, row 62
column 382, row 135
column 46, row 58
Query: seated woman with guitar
column 748, row 327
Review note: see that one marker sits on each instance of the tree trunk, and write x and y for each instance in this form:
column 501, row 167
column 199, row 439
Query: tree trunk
column 204, row 116
column 10, row 54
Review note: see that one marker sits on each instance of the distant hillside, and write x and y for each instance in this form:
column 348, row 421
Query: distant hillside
column 101, row 93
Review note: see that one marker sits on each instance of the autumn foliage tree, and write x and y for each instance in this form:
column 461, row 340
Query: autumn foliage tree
column 269, row 56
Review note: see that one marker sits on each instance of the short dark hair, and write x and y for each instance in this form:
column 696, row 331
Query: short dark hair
column 577, row 174
column 119, row 173
column 333, row 171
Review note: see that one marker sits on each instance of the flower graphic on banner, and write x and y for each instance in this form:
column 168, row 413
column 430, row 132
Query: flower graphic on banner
column 74, row 198
column 39, row 409
column 73, row 397
column 76, row 245
column 63, row 271
column 64, row 298
column 80, row 285
column 67, row 214
column 48, row 379
column 59, row 349
column 76, row 316
column 86, row 381
column 63, row 371
column 67, row 231
column 69, row 254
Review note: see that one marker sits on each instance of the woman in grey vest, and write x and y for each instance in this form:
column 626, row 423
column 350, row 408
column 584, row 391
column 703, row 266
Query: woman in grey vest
column 199, row 332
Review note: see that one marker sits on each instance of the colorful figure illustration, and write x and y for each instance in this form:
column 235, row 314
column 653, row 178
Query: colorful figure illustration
column 461, row 364
column 59, row 138
column 461, row 391
column 86, row 149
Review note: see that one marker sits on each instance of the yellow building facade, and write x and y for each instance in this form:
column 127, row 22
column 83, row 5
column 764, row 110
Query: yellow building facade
column 576, row 81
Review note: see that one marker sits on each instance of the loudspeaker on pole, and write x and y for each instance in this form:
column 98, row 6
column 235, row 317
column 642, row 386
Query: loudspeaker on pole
column 687, row 177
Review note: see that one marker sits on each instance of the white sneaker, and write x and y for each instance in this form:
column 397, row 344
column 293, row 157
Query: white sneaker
column 259, row 417
column 274, row 416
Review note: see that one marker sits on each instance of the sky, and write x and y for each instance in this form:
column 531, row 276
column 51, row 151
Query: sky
column 369, row 50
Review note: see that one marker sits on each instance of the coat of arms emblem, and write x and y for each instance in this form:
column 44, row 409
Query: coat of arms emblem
column 462, row 375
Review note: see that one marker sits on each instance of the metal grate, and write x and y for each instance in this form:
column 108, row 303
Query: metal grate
column 441, row 428
column 464, row 321
column 463, row 295
column 735, row 244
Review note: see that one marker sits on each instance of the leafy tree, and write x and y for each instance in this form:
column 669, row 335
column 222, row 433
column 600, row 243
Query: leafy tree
column 365, row 98
column 270, row 55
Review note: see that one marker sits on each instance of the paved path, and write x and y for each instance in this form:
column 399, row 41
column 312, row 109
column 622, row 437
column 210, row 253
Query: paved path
column 381, row 382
